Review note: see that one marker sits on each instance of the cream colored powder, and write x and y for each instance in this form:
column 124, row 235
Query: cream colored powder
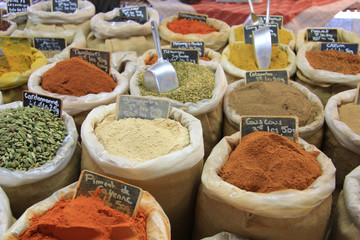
column 350, row 114
column 141, row 140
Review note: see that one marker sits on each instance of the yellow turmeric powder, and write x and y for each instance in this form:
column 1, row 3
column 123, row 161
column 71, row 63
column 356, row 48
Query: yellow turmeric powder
column 284, row 35
column 18, row 61
column 242, row 56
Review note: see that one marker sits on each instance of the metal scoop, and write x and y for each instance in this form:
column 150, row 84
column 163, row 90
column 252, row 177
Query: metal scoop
column 262, row 43
column 3, row 60
column 161, row 76
column 252, row 19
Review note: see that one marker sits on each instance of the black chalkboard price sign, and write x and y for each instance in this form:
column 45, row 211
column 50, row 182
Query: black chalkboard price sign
column 17, row 6
column 267, row 76
column 37, row 100
column 193, row 16
column 342, row 47
column 137, row 14
column 141, row 107
column 65, row 6
column 285, row 126
column 273, row 19
column 115, row 194
column 49, row 44
column 181, row 55
column 322, row 35
column 101, row 59
column 357, row 98
column 249, row 32
column 190, row 45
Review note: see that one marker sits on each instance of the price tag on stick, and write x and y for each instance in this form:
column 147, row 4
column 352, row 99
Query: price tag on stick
column 115, row 194
column 65, row 6
column 322, row 35
column 37, row 100
column 283, row 125
column 17, row 6
column 100, row 59
column 357, row 98
column 267, row 76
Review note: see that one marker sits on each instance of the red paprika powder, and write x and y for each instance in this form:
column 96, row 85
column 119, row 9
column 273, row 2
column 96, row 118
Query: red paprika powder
column 77, row 77
column 185, row 26
column 265, row 162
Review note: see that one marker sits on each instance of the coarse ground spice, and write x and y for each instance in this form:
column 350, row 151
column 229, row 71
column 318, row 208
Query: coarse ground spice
column 155, row 58
column 77, row 77
column 4, row 25
column 185, row 26
column 334, row 61
column 264, row 162
column 196, row 82
column 350, row 114
column 273, row 99
column 84, row 218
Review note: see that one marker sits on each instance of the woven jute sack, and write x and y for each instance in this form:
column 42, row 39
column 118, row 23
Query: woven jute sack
column 311, row 133
column 344, row 36
column 157, row 223
column 25, row 188
column 215, row 40
column 341, row 143
column 208, row 111
column 5, row 213
column 173, row 179
column 346, row 224
column 279, row 215
column 225, row 236
column 121, row 36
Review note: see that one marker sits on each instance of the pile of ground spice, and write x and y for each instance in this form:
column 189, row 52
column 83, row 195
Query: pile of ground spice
column 77, row 77
column 264, row 162
column 85, row 218
column 334, row 61
column 350, row 114
column 185, row 26
column 4, row 25
column 273, row 99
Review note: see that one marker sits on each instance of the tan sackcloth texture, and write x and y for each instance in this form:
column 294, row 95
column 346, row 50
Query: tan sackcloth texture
column 225, row 236
column 6, row 218
column 13, row 94
column 157, row 223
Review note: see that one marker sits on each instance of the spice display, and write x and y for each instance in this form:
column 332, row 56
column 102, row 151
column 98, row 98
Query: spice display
column 273, row 99
column 284, row 36
column 50, row 53
column 242, row 56
column 265, row 162
column 185, row 26
column 85, row 218
column 350, row 114
column 30, row 137
column 141, row 139
column 334, row 61
column 18, row 61
column 155, row 58
column 4, row 25
column 196, row 82
column 77, row 77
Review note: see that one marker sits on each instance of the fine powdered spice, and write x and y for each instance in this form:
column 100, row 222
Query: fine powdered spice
column 141, row 139
column 334, row 61
column 77, row 77
column 185, row 26
column 85, row 218
column 265, row 162
column 350, row 114
column 273, row 99
column 196, row 82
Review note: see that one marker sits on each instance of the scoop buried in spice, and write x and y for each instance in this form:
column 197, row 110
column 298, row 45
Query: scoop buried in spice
column 160, row 77
column 3, row 60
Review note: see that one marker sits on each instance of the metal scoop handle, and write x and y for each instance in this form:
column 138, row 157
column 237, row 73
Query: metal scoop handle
column 155, row 33
column 251, row 6
column 267, row 12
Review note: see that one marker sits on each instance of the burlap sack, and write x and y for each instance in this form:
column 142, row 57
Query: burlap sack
column 208, row 111
column 215, row 40
column 319, row 76
column 311, row 133
column 225, row 236
column 341, row 143
column 279, row 215
column 10, row 29
column 232, row 37
column 233, row 73
column 24, row 188
column 5, row 213
column 121, row 36
column 157, row 223
column 344, row 36
column 173, row 179
column 79, row 107
column 346, row 224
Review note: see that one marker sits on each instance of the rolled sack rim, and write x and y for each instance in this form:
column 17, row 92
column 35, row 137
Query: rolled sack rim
column 279, row 204
column 157, row 167
column 57, row 164
column 342, row 132
column 351, row 192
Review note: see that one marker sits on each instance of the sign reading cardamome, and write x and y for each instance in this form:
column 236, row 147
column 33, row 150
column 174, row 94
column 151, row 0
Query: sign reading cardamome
column 37, row 100
column 267, row 76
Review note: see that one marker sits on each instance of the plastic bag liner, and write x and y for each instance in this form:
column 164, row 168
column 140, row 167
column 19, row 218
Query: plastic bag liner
column 225, row 236
column 10, row 29
column 215, row 40
column 157, row 223
column 5, row 213
column 277, row 215
column 308, row 132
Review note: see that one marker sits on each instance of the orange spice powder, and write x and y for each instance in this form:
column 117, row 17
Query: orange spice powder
column 185, row 26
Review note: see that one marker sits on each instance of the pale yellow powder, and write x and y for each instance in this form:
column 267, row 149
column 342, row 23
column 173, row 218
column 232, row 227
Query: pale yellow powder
column 350, row 114
column 141, row 140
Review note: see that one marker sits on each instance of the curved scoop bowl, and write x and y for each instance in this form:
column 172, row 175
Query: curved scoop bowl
column 161, row 77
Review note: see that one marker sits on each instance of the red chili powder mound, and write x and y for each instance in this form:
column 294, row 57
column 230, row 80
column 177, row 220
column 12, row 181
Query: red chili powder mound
column 85, row 218
column 77, row 77
column 265, row 162
column 185, row 26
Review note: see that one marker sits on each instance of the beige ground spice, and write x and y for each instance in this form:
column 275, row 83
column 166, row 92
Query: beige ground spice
column 350, row 114
column 140, row 139
column 273, row 99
